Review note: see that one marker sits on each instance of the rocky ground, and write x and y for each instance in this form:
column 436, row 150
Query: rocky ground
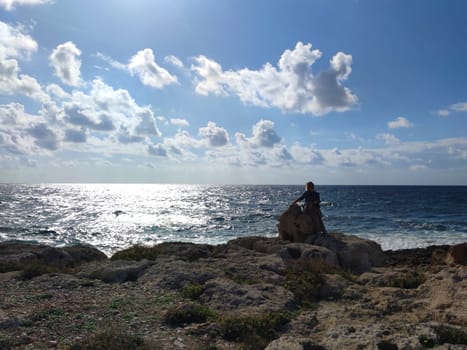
column 340, row 292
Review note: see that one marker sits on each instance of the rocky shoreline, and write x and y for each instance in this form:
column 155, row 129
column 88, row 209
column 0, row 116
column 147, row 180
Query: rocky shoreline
column 337, row 292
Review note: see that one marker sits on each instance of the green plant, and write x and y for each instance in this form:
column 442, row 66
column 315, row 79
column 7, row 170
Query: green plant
column 114, row 338
column 305, row 282
column 46, row 314
column 238, row 278
column 407, row 281
column 137, row 252
column 187, row 313
column 451, row 335
column 118, row 303
column 164, row 300
column 192, row 291
column 254, row 331
column 427, row 341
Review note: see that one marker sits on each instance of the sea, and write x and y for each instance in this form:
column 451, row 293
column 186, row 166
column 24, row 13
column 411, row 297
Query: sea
column 112, row 217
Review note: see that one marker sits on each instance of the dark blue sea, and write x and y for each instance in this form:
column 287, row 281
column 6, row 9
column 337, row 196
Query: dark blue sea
column 114, row 216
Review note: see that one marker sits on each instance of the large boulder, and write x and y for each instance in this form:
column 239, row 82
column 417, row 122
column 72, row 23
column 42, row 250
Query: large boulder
column 17, row 254
column 355, row 254
column 298, row 226
column 457, row 254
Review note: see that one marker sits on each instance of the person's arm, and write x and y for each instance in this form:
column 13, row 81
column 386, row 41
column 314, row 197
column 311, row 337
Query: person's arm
column 298, row 199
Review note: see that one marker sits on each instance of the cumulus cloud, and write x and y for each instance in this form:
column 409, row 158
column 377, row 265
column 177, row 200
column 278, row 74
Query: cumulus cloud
column 456, row 107
column 75, row 135
column 174, row 61
column 115, row 64
column 11, row 4
column 16, row 44
column 22, row 133
column 67, row 64
column 216, row 136
column 157, row 150
column 400, row 122
column 389, row 139
column 306, row 155
column 263, row 135
column 44, row 136
column 106, row 109
column 443, row 112
column 182, row 123
column 143, row 65
column 459, row 107
column 291, row 86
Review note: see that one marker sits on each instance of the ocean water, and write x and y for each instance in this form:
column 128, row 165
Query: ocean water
column 115, row 216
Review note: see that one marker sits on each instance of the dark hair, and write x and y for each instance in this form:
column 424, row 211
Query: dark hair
column 309, row 183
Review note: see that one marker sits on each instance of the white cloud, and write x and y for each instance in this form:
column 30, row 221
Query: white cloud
column 389, row 139
column 16, row 44
column 443, row 112
column 106, row 109
column 157, row 150
column 306, row 155
column 174, row 61
column 215, row 135
column 23, row 134
column 456, row 107
column 459, row 107
column 264, row 135
column 400, row 122
column 44, row 136
column 143, row 65
column 182, row 123
column 65, row 60
column 291, row 86
column 12, row 82
column 10, row 4
column 112, row 62
column 76, row 135
column 417, row 167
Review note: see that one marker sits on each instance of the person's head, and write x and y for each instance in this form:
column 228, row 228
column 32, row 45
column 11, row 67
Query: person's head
column 310, row 186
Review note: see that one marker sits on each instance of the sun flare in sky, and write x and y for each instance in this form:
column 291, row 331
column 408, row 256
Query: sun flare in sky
column 276, row 92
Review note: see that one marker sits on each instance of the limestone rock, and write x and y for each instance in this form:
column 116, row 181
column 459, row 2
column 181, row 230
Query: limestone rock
column 15, row 253
column 312, row 254
column 173, row 274
column 293, row 343
column 226, row 295
column 297, row 226
column 354, row 253
column 118, row 271
column 457, row 254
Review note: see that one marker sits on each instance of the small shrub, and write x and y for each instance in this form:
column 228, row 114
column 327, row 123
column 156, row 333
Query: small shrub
column 254, row 331
column 407, row 281
column 451, row 335
column 187, row 313
column 305, row 283
column 32, row 270
column 193, row 291
column 427, row 341
column 118, row 303
column 115, row 339
column 46, row 314
column 137, row 252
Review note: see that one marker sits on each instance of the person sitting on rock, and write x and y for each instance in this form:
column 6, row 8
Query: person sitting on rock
column 312, row 201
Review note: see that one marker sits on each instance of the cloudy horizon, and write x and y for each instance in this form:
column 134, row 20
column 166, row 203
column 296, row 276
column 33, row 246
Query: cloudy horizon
column 219, row 92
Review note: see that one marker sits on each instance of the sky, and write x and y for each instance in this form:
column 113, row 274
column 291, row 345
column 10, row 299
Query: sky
column 363, row 92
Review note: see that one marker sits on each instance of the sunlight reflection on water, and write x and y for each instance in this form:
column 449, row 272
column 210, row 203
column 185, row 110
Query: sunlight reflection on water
column 113, row 216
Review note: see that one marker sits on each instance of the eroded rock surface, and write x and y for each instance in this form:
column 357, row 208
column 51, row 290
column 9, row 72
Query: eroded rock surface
column 253, row 292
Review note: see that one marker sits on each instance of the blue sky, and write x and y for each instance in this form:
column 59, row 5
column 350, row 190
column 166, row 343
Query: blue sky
column 274, row 92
